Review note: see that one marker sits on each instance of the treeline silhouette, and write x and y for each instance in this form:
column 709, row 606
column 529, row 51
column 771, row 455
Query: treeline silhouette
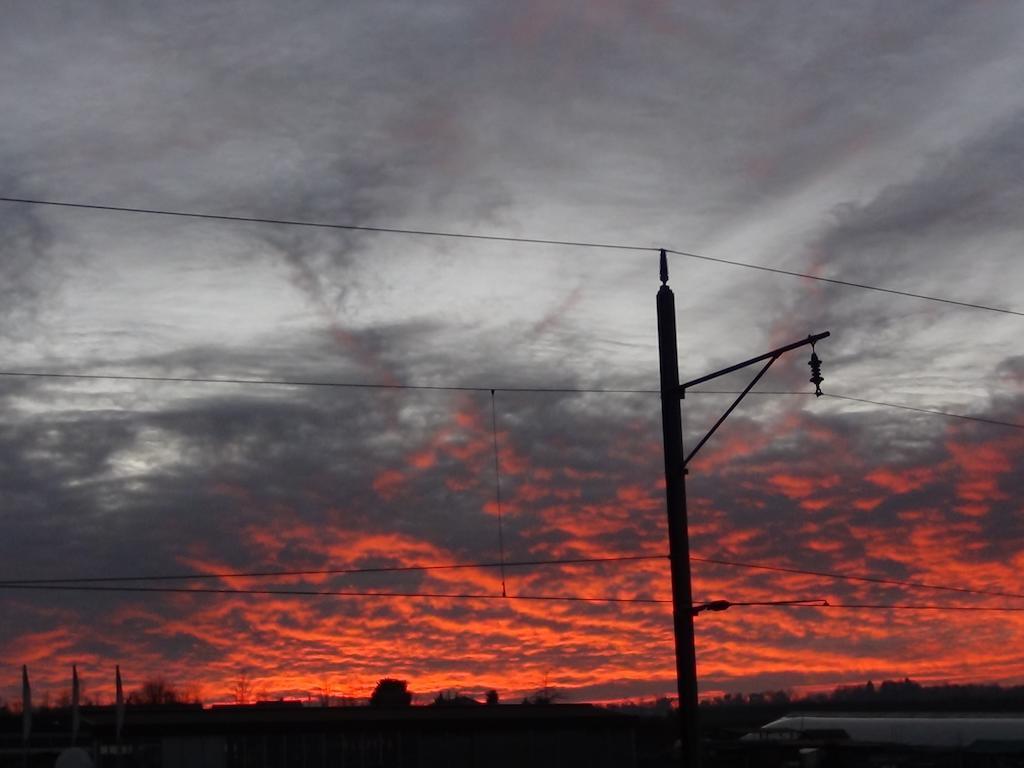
column 389, row 693
column 888, row 694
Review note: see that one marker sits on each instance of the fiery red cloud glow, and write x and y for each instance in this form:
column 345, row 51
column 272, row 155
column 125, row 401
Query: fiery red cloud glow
column 918, row 523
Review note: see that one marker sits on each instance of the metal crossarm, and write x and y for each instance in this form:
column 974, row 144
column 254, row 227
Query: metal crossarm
column 771, row 357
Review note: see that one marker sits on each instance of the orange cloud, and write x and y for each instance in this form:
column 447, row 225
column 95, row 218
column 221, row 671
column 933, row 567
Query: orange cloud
column 901, row 481
column 388, row 482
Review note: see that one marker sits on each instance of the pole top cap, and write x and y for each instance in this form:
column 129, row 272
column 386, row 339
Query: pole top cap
column 664, row 267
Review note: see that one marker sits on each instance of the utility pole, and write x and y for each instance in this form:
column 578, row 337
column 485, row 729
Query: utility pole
column 672, row 394
column 678, row 532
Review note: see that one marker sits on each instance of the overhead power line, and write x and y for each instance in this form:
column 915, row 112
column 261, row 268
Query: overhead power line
column 721, row 605
column 459, row 388
column 858, row 577
column 714, row 605
column 618, row 559
column 497, row 238
column 905, row 607
column 330, row 593
column 333, row 225
column 882, row 403
column 847, row 283
column 336, row 571
column 930, row 411
column 311, row 383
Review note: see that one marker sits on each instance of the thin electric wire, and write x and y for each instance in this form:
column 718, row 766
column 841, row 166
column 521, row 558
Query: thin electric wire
column 507, row 564
column 329, row 593
column 847, row 283
column 496, row 238
column 882, row 403
column 458, row 388
column 313, row 383
column 913, row 607
column 330, row 225
column 332, row 571
column 858, row 577
column 497, row 490
column 800, row 603
column 931, row 411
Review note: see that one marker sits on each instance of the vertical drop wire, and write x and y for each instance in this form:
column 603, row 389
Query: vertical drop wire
column 497, row 491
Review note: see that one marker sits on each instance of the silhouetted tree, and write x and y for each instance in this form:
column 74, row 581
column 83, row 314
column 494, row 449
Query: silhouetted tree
column 545, row 695
column 390, row 692
column 900, row 691
column 779, row 698
column 325, row 693
column 156, row 690
column 887, row 694
column 241, row 688
column 454, row 699
column 492, row 697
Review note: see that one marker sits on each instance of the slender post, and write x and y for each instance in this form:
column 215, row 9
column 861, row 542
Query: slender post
column 678, row 533
column 26, row 714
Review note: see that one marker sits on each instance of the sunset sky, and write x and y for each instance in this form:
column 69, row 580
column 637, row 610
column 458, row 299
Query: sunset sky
column 876, row 143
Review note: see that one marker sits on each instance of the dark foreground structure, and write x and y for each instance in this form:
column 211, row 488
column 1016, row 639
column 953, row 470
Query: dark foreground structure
column 290, row 735
column 894, row 740
column 293, row 736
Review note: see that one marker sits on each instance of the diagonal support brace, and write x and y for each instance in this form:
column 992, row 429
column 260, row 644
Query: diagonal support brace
column 730, row 409
column 771, row 357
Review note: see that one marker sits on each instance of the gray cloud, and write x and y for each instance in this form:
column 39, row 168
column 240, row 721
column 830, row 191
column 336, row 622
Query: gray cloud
column 850, row 140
